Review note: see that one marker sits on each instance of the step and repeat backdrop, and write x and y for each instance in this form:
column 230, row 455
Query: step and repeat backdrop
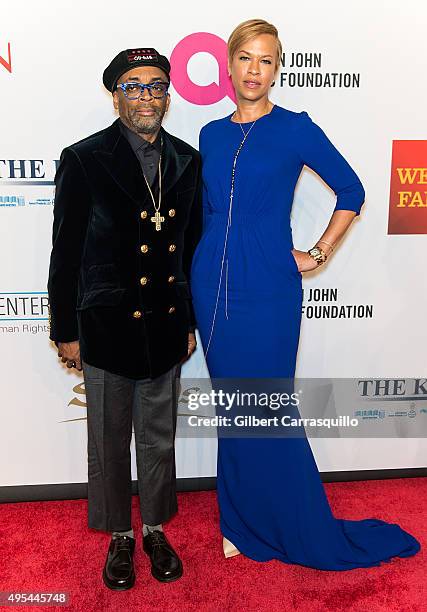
column 358, row 69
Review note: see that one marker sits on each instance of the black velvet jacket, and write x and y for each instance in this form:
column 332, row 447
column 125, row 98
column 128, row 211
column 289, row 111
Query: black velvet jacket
column 115, row 283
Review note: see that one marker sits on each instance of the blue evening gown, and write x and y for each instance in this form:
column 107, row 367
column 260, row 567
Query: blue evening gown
column 271, row 498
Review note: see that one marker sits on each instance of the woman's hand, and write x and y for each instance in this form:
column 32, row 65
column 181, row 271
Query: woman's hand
column 192, row 345
column 303, row 260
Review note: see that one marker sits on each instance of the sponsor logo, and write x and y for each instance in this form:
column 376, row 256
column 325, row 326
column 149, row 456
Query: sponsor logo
column 42, row 202
column 299, row 69
column 24, row 306
column 7, row 63
column 78, row 401
column 408, row 188
column 27, row 171
column 369, row 414
column 12, row 200
column 381, row 414
column 324, row 303
column 305, row 69
column 185, row 50
column 80, row 396
column 403, row 413
column 393, row 389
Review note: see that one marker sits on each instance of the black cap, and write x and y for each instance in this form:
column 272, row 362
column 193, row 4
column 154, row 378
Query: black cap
column 130, row 58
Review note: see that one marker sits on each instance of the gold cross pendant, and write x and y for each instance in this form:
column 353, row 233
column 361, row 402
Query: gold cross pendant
column 158, row 220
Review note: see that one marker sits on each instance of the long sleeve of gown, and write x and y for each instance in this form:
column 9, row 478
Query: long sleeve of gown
column 318, row 153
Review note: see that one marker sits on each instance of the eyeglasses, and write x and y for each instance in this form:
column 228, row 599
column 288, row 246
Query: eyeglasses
column 133, row 91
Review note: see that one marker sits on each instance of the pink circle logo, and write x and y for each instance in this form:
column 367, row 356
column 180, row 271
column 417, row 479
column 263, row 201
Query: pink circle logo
column 201, row 94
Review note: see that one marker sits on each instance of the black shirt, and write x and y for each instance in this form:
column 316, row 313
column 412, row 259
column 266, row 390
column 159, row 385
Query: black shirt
column 148, row 153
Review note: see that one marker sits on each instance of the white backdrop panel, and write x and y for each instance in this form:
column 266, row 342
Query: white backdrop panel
column 43, row 405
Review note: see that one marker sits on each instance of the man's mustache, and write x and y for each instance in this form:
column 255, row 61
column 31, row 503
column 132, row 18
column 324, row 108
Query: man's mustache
column 151, row 108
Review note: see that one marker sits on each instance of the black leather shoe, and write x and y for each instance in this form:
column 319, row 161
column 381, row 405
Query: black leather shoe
column 118, row 573
column 166, row 566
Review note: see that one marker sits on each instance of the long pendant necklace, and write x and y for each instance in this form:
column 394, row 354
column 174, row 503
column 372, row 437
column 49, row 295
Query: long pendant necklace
column 157, row 219
column 230, row 207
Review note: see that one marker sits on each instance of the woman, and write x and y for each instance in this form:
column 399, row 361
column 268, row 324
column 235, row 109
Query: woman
column 246, row 284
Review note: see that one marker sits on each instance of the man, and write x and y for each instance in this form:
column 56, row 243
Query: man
column 127, row 219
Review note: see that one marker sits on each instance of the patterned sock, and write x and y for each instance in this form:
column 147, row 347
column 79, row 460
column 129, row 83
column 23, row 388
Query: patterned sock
column 147, row 528
column 129, row 533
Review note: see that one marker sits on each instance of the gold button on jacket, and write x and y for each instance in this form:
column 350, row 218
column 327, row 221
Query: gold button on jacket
column 172, row 212
column 144, row 280
column 144, row 214
column 137, row 314
column 171, row 279
column 172, row 248
column 144, row 248
column 171, row 309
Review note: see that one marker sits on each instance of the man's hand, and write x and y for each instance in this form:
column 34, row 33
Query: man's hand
column 69, row 352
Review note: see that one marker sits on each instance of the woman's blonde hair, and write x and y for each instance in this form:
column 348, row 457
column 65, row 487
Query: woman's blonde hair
column 249, row 29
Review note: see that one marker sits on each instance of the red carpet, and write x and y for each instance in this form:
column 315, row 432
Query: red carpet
column 46, row 546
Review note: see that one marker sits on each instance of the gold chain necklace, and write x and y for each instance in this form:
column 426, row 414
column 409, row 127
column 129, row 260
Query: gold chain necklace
column 157, row 219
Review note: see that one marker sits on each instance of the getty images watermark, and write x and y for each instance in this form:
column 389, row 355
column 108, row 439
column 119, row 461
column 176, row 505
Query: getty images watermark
column 317, row 408
column 220, row 399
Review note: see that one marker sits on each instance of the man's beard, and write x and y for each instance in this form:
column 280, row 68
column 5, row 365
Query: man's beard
column 146, row 125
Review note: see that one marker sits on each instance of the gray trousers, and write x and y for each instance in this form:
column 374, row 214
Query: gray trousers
column 113, row 402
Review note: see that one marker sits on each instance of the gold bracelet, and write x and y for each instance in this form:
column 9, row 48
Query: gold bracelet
column 328, row 243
